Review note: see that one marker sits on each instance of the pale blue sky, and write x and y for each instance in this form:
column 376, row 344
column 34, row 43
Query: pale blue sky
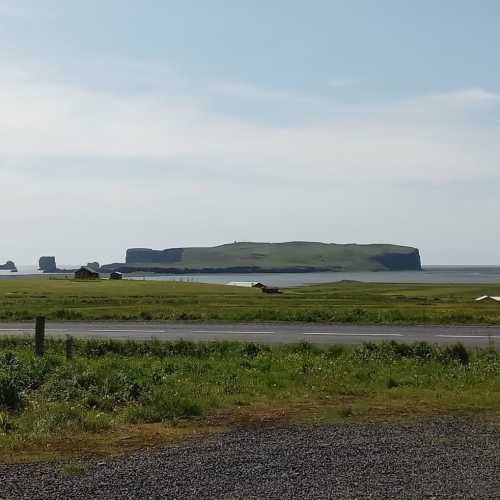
column 157, row 123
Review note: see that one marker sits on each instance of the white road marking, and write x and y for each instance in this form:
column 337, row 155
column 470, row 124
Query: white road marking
column 230, row 331
column 469, row 336
column 355, row 334
column 127, row 331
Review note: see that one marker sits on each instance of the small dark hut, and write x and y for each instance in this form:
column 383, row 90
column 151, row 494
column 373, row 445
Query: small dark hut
column 86, row 273
column 270, row 289
column 115, row 275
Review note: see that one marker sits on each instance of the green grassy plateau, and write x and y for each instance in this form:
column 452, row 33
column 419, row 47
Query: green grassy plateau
column 117, row 396
column 65, row 299
column 277, row 256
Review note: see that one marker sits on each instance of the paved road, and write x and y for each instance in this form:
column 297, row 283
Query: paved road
column 263, row 332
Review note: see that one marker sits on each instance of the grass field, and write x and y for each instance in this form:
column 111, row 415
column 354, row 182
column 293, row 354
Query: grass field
column 66, row 299
column 116, row 396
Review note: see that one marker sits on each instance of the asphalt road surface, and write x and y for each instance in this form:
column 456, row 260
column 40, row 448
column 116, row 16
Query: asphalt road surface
column 269, row 333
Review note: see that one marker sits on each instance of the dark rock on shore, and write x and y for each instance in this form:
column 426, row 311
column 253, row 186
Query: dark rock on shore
column 8, row 266
column 47, row 264
column 400, row 261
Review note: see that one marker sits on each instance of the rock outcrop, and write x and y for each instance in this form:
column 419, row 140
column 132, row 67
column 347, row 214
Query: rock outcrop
column 8, row 266
column 47, row 264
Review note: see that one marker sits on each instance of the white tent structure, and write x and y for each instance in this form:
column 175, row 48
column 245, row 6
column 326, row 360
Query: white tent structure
column 248, row 284
column 488, row 298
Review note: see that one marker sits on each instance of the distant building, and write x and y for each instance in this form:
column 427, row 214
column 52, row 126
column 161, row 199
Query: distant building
column 86, row 273
column 488, row 298
column 248, row 284
column 255, row 284
column 115, row 275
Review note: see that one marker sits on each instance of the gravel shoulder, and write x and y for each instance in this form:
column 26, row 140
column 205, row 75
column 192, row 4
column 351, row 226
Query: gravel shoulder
column 435, row 458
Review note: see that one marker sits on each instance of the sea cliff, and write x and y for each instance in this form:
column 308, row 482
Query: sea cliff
column 291, row 257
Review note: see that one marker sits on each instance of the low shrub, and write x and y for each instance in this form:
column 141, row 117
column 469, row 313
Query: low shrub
column 11, row 396
column 334, row 351
column 59, row 418
column 161, row 407
column 95, row 422
column 251, row 350
column 303, row 347
column 6, row 424
column 392, row 383
column 66, row 314
column 423, row 351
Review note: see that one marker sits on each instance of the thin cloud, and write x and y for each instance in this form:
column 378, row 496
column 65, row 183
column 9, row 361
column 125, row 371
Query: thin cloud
column 61, row 120
column 469, row 96
column 254, row 92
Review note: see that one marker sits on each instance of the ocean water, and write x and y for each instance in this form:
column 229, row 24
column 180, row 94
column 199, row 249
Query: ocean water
column 283, row 280
column 29, row 270
column 430, row 274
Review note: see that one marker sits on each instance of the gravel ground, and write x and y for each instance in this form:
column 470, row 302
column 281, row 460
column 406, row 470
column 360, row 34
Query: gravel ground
column 444, row 458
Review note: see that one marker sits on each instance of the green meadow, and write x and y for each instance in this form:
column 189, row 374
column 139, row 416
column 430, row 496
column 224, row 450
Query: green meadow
column 116, row 396
column 349, row 302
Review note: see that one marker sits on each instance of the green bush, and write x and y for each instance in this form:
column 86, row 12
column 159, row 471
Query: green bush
column 11, row 396
column 13, row 380
column 456, row 352
column 251, row 350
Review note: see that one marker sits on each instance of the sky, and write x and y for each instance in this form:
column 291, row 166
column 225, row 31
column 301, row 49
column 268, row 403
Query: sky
column 160, row 124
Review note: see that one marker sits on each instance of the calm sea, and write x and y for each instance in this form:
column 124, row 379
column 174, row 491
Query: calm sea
column 430, row 274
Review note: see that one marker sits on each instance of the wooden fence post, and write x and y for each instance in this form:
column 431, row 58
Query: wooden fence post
column 39, row 335
column 70, row 347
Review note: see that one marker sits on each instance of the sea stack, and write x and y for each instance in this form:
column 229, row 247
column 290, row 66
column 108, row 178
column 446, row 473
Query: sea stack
column 47, row 264
column 8, row 266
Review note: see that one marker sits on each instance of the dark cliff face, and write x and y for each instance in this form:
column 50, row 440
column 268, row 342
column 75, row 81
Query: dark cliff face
column 400, row 261
column 142, row 255
column 47, row 264
column 274, row 257
column 123, row 268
